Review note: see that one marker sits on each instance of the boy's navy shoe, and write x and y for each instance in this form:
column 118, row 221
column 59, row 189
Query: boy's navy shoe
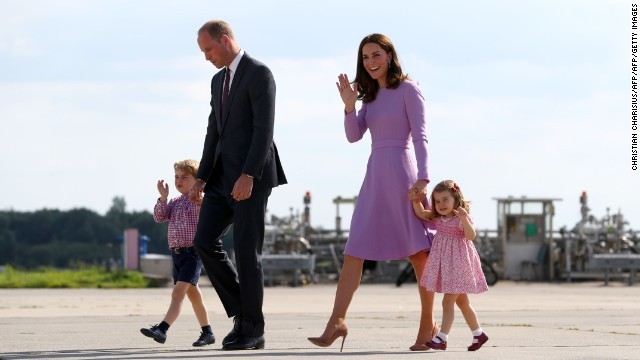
column 155, row 333
column 205, row 339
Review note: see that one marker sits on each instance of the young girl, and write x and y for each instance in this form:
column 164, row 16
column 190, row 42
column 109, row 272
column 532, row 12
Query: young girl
column 454, row 266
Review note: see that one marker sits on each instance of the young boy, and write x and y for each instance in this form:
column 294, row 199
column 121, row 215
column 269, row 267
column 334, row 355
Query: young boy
column 182, row 216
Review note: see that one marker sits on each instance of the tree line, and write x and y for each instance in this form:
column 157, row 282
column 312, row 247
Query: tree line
column 63, row 239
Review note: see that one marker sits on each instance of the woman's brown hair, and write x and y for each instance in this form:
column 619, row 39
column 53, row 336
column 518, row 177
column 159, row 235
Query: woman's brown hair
column 367, row 87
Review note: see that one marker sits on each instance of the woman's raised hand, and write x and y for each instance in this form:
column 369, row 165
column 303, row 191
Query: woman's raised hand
column 348, row 93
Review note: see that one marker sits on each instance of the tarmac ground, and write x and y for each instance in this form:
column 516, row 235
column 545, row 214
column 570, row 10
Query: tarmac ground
column 580, row 320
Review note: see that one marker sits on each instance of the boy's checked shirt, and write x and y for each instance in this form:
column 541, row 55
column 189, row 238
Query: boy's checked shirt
column 182, row 216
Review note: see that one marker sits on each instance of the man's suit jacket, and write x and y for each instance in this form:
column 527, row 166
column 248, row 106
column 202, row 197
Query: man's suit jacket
column 242, row 141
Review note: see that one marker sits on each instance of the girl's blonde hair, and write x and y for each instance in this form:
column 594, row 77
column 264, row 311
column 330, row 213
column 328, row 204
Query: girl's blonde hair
column 453, row 189
column 188, row 166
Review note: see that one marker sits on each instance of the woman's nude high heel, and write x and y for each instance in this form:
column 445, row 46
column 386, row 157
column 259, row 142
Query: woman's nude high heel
column 340, row 331
column 423, row 346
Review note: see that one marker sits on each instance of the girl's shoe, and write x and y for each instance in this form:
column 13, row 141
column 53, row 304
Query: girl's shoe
column 340, row 331
column 442, row 345
column 482, row 338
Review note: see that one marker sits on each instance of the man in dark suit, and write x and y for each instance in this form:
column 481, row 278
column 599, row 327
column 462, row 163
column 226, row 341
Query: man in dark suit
column 239, row 167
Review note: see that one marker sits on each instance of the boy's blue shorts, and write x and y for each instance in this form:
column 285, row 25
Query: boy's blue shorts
column 186, row 266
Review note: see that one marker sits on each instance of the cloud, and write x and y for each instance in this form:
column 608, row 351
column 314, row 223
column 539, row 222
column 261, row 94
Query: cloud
column 503, row 146
column 19, row 47
column 537, row 110
column 80, row 144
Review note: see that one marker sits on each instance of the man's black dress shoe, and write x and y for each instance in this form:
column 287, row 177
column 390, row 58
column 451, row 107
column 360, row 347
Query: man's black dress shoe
column 244, row 342
column 233, row 334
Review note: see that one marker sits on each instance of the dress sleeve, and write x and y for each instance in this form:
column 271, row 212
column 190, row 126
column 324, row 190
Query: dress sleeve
column 355, row 125
column 416, row 111
column 162, row 211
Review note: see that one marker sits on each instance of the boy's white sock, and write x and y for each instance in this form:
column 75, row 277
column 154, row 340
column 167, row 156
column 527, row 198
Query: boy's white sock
column 442, row 336
column 476, row 332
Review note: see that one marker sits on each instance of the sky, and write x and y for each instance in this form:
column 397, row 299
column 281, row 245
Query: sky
column 98, row 99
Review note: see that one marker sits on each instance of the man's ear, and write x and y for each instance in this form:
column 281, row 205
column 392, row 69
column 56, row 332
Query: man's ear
column 224, row 40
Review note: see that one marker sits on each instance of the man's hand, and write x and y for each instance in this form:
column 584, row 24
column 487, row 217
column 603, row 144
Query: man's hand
column 242, row 188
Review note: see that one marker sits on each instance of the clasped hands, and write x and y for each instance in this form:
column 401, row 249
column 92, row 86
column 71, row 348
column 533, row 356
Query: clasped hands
column 197, row 191
column 242, row 189
column 418, row 191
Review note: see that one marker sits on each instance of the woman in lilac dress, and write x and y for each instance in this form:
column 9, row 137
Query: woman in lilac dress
column 383, row 226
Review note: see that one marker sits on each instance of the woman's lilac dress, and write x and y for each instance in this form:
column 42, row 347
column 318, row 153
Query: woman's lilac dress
column 383, row 226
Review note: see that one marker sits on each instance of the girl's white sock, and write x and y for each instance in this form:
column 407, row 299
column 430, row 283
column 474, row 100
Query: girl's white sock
column 442, row 336
column 476, row 332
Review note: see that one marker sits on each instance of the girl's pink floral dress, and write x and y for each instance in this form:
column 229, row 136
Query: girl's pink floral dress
column 454, row 265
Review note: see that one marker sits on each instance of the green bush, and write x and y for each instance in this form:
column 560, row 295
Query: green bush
column 91, row 277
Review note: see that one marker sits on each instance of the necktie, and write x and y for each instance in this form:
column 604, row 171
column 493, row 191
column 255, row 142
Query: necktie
column 225, row 91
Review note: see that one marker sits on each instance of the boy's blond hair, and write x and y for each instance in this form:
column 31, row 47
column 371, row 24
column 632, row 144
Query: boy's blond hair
column 187, row 166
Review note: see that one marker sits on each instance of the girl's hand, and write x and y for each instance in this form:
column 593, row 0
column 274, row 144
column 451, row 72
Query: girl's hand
column 348, row 93
column 163, row 189
column 469, row 231
column 461, row 212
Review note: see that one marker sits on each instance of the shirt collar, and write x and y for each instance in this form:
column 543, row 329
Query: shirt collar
column 236, row 61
